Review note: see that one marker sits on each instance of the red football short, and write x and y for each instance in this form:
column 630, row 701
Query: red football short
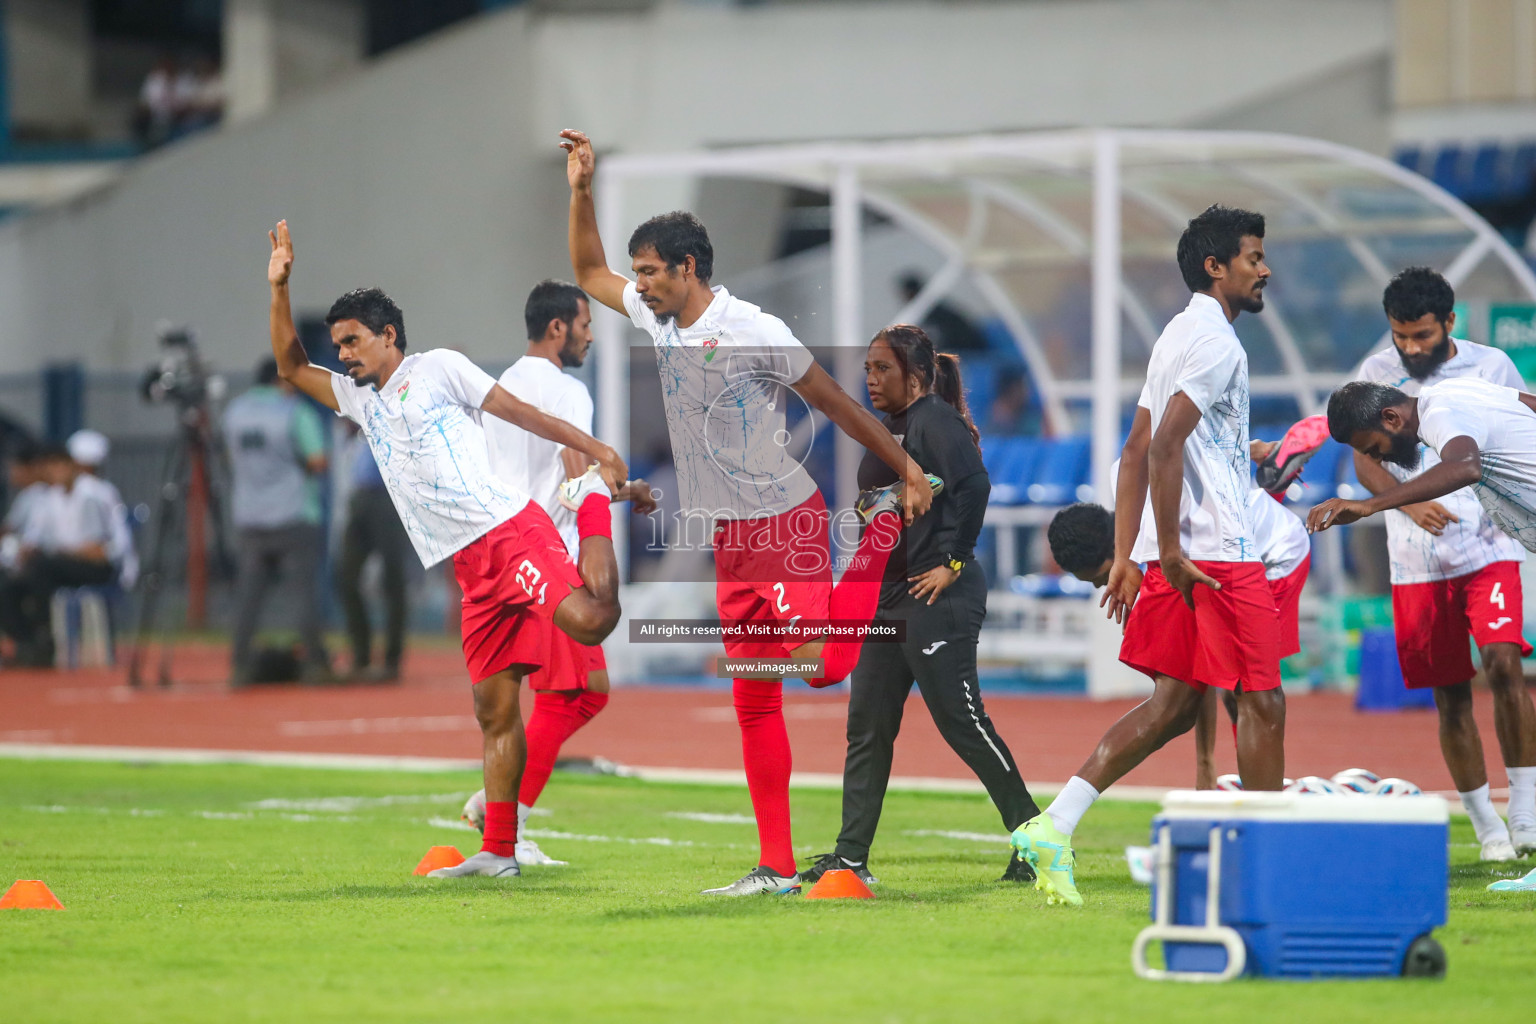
column 771, row 571
column 1287, row 593
column 513, row 578
column 1432, row 621
column 569, row 665
column 1231, row 636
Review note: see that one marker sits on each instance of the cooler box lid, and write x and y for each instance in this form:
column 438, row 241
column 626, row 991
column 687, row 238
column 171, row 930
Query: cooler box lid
column 1219, row 805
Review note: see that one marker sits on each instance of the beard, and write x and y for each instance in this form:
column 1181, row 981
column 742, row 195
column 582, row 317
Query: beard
column 1420, row 367
column 1404, row 451
column 571, row 357
column 1253, row 302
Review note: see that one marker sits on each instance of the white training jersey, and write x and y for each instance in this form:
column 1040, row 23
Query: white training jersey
column 724, row 384
column 425, row 434
column 1198, row 354
column 1280, row 534
column 1505, row 431
column 532, row 463
column 1474, row 542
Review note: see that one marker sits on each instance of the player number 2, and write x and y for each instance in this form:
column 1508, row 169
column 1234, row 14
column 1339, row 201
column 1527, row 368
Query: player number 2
column 780, row 604
column 1497, row 596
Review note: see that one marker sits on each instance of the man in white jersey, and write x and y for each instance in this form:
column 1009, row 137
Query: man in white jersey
column 1453, row 571
column 1485, row 436
column 569, row 691
column 1203, row 615
column 1082, row 540
column 421, row 414
column 725, row 369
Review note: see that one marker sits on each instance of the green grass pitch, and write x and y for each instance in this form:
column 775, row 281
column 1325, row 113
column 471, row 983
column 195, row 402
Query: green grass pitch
column 235, row 893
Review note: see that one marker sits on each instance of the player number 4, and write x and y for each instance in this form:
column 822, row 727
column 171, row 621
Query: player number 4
column 1497, row 596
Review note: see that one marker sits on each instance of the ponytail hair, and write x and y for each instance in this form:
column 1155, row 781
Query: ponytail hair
column 938, row 372
column 946, row 384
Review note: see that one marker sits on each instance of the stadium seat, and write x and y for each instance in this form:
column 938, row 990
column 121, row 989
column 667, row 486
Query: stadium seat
column 1520, row 170
column 1063, row 467
column 1411, row 157
column 1011, row 462
column 1446, row 169
column 1484, row 181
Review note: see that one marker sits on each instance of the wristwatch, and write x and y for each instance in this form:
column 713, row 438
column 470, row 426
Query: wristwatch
column 956, row 564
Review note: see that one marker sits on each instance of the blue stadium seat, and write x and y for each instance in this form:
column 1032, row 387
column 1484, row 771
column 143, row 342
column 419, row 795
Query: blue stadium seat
column 1520, row 169
column 1010, row 462
column 1061, row 470
column 1411, row 157
column 1484, row 181
column 1446, row 169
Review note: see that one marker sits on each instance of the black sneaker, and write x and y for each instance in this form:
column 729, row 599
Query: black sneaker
column 1018, row 870
column 832, row 862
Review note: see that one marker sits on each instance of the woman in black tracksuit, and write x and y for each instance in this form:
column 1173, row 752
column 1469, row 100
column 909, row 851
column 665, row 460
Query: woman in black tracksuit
column 934, row 586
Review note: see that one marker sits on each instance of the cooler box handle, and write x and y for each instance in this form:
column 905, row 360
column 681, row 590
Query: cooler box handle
column 1213, row 932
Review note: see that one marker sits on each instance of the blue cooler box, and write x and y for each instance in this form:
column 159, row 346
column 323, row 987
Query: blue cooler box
column 1294, row 885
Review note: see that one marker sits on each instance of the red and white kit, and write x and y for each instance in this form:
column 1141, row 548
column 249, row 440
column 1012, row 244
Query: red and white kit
column 1467, row 580
column 1232, row 637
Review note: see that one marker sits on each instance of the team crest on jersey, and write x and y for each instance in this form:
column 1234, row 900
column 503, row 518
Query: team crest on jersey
column 709, row 348
column 403, row 390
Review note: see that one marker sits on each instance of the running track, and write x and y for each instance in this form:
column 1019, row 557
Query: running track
column 429, row 715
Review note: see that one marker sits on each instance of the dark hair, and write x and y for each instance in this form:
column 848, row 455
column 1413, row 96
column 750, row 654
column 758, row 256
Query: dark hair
column 25, row 450
column 938, row 372
column 1218, row 232
column 266, row 371
column 675, row 236
column 1082, row 537
column 51, row 451
column 551, row 300
column 1357, row 407
column 1416, row 291
column 371, row 308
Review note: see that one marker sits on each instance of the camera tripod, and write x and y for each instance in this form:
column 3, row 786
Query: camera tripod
column 189, row 497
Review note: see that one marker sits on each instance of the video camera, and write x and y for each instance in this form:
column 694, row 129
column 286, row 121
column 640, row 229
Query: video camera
column 180, row 376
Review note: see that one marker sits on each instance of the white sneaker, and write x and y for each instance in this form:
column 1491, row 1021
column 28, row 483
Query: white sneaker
column 1522, row 839
column 759, row 879
column 579, row 488
column 474, row 811
column 528, row 852
column 483, row 863
column 1499, row 849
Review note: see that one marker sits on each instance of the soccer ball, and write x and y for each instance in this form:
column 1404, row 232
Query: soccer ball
column 1312, row 784
column 1397, row 787
column 474, row 811
column 1229, row 783
column 1356, row 780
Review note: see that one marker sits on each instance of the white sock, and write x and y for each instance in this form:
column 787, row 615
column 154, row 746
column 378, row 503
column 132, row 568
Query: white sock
column 1485, row 820
column 1522, row 798
column 523, row 810
column 1071, row 804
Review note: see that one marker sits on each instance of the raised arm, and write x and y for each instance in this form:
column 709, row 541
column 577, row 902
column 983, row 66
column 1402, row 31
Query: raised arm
column 501, row 403
column 822, row 392
column 293, row 364
column 1461, row 465
column 593, row 274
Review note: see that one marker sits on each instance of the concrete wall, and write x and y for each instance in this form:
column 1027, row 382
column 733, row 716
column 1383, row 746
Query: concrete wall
column 434, row 174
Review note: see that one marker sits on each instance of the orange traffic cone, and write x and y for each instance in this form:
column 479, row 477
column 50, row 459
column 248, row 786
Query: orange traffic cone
column 29, row 894
column 439, row 857
column 840, row 884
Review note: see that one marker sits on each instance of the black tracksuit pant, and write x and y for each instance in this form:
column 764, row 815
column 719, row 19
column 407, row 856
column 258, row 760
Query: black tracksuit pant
column 939, row 654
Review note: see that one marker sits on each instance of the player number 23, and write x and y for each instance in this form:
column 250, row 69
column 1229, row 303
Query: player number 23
column 528, row 577
column 779, row 603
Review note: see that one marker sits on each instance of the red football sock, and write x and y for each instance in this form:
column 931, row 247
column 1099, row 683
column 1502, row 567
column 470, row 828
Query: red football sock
column 594, row 519
column 500, row 835
column 857, row 595
column 557, row 715
column 765, row 755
